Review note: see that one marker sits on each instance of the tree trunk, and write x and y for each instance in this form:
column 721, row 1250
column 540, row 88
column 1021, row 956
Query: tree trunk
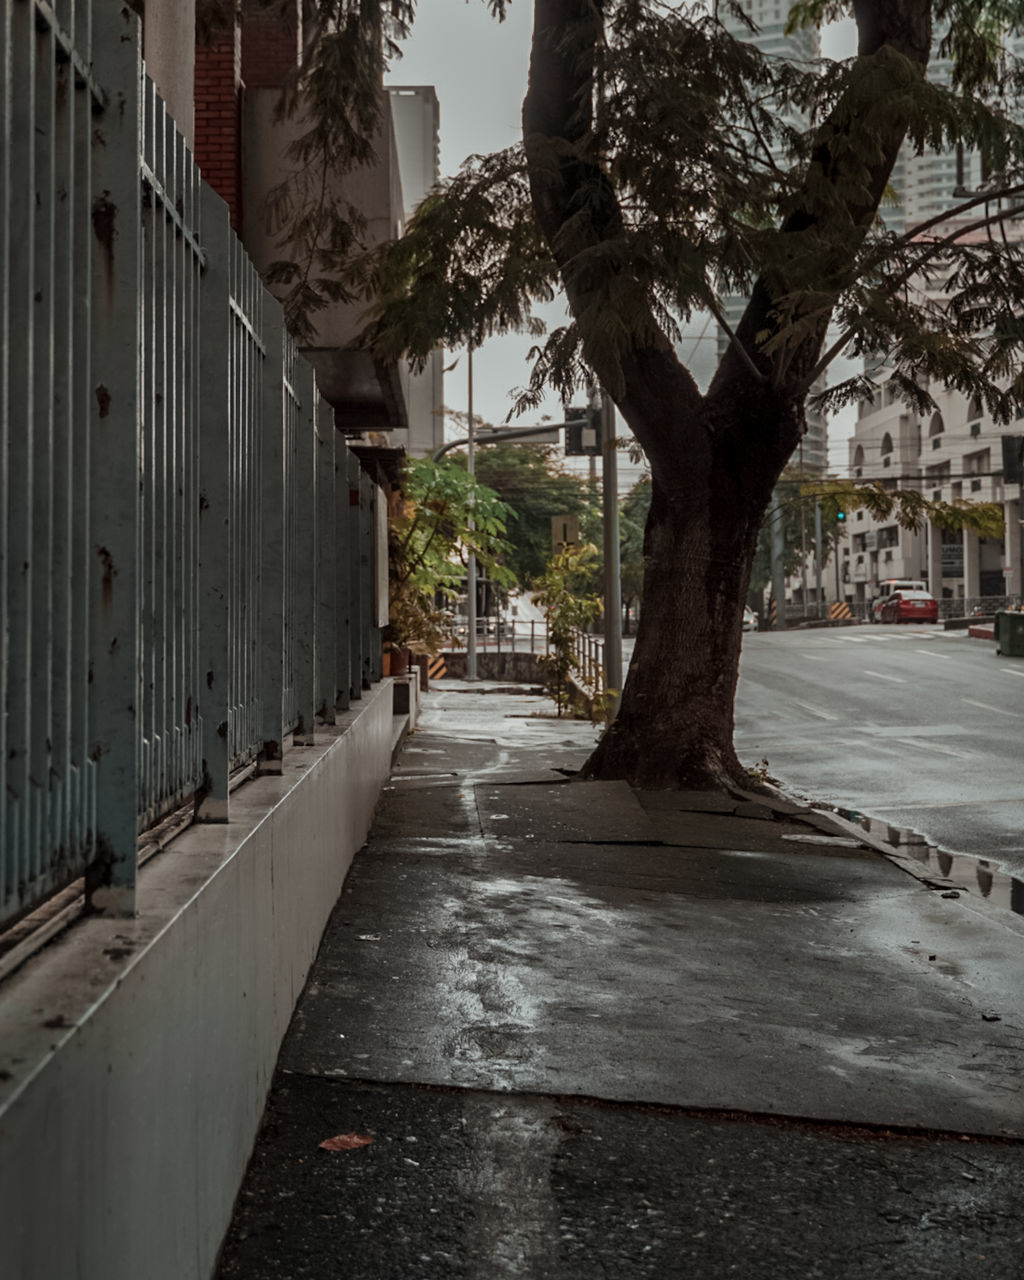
column 714, row 459
column 674, row 728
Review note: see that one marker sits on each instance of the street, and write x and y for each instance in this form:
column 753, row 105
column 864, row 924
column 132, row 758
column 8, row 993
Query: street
column 915, row 725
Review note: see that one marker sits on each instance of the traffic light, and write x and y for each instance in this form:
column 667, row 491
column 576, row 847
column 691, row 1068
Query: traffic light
column 582, row 434
column 1013, row 459
column 841, row 516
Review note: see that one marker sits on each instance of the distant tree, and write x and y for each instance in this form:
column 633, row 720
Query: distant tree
column 528, row 478
column 633, row 513
column 905, row 507
column 796, row 514
column 570, row 606
column 443, row 514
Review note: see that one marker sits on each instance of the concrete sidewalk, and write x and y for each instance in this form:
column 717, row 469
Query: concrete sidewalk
column 590, row 1030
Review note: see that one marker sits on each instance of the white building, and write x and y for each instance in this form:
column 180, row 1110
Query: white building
column 954, row 453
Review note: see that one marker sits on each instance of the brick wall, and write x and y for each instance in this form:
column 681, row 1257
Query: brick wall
column 218, row 126
column 271, row 45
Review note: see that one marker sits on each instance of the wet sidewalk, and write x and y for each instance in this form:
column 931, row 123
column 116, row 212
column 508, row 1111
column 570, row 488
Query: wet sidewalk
column 590, row 1030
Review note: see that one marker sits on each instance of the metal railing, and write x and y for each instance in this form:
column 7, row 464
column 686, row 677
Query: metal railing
column 506, row 635
column 861, row 610
column 187, row 548
column 588, row 662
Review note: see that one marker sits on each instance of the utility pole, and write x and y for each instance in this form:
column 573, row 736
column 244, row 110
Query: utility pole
column 778, row 577
column 471, row 561
column 612, row 575
column 817, row 557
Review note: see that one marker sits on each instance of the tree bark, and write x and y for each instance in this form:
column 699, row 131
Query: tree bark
column 714, row 459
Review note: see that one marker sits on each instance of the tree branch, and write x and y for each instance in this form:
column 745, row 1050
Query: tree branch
column 579, row 215
column 931, row 249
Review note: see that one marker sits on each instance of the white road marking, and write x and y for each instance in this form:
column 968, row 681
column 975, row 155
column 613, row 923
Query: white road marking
column 934, row 746
column 942, row 657
column 1001, row 711
column 815, row 711
column 1012, row 673
column 879, row 676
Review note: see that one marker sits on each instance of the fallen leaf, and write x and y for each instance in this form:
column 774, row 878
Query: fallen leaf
column 346, row 1142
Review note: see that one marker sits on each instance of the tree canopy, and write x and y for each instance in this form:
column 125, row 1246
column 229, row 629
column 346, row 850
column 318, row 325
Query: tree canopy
column 668, row 164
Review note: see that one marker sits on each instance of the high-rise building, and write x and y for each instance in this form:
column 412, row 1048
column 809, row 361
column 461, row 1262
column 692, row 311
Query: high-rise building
column 802, row 46
column 925, row 183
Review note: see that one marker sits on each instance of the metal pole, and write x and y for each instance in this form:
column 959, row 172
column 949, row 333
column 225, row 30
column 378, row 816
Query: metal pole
column 471, row 563
column 817, row 557
column 612, row 574
column 839, row 594
column 778, row 578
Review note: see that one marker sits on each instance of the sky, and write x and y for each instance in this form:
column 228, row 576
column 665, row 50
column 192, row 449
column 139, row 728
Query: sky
column 479, row 67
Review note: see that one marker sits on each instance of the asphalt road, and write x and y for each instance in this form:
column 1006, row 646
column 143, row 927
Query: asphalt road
column 912, row 724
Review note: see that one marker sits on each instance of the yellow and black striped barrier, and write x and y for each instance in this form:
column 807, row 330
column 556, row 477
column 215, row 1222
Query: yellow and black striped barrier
column 839, row 611
column 437, row 670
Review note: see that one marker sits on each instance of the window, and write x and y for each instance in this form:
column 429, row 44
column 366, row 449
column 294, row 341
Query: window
column 975, row 409
column 886, row 444
column 936, row 426
column 975, row 430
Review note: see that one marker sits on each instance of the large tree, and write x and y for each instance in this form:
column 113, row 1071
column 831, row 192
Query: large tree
column 664, row 166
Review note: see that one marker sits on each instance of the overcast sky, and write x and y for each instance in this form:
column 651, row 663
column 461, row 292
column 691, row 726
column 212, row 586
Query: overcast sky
column 479, row 69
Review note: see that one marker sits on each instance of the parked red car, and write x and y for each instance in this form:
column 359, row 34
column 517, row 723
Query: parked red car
column 911, row 606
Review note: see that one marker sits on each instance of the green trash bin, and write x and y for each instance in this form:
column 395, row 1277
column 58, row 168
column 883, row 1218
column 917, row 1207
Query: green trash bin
column 1010, row 633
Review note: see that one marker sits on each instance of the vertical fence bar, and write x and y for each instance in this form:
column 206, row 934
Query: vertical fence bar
column 367, row 533
column 169, row 693
column 357, row 601
column 327, row 572
column 379, row 578
column 215, row 507
column 45, row 654
column 8, row 804
column 245, row 358
column 272, row 549
column 114, row 471
column 19, row 836
column 302, row 496
column 343, row 574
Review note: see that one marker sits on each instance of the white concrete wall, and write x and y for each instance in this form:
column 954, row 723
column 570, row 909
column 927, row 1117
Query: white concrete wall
column 170, row 53
column 136, row 1055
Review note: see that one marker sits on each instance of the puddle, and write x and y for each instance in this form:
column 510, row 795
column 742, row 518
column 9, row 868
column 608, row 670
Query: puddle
column 977, row 876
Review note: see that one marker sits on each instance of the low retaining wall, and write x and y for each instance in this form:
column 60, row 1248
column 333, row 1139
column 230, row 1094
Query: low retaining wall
column 521, row 668
column 136, row 1054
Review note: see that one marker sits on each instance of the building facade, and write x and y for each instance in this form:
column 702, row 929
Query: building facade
column 952, row 454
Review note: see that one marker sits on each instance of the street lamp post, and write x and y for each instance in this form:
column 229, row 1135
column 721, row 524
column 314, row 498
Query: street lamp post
column 471, row 561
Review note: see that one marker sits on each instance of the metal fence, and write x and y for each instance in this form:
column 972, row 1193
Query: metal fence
column 187, row 547
column 861, row 610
